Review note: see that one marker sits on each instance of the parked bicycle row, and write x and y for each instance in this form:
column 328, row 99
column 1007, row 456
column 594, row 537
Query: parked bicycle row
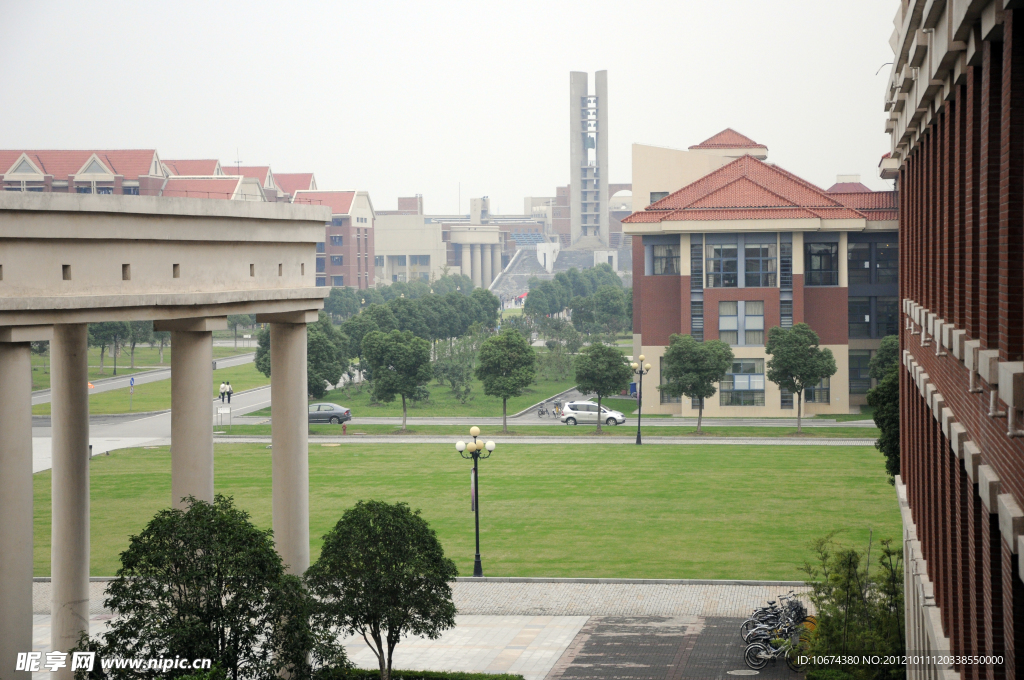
column 780, row 630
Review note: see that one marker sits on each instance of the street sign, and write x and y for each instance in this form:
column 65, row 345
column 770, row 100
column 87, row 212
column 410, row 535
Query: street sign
column 131, row 389
column 132, row 382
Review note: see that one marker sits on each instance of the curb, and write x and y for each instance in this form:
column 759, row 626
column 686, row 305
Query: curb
column 630, row 581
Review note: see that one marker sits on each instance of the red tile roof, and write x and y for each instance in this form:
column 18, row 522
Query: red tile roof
column 872, row 200
column 192, row 167
column 848, row 188
column 729, row 139
column 290, row 182
column 259, row 172
column 340, row 202
column 60, row 163
column 201, row 187
column 748, row 189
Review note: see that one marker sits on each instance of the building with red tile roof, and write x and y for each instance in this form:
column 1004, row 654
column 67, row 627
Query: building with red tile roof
column 748, row 246
column 124, row 171
column 290, row 182
column 262, row 173
column 233, row 188
column 197, row 168
column 346, row 257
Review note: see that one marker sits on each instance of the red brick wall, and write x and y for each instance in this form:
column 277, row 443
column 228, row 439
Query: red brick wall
column 826, row 311
column 638, row 282
column 798, row 298
column 660, row 309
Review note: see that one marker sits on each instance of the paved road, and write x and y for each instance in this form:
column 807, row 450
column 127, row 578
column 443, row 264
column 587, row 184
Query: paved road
column 122, row 381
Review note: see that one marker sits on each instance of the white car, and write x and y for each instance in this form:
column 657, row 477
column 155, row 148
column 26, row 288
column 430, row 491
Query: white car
column 587, row 412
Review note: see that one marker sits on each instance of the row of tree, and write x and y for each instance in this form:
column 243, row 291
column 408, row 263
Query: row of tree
column 347, row 302
column 594, row 297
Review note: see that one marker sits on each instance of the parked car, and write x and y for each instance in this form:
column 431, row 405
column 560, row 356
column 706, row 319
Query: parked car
column 587, row 412
column 329, row 413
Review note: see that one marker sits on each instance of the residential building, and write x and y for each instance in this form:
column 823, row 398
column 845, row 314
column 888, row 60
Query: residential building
column 124, row 171
column 233, row 188
column 750, row 246
column 290, row 182
column 263, row 174
column 346, row 255
column 955, row 114
column 208, row 167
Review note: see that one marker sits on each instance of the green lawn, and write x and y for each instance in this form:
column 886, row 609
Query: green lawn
column 146, row 359
column 156, row 396
column 442, row 403
column 746, row 512
column 516, row 429
column 866, row 413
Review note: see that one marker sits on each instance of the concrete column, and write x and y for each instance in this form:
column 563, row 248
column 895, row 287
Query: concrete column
column 495, row 261
column 289, row 435
column 69, row 554
column 191, row 416
column 485, row 259
column 15, row 505
column 475, row 249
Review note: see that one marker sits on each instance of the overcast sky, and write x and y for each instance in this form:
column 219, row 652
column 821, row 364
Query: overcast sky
column 404, row 98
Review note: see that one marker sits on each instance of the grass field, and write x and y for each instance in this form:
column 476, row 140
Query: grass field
column 146, row 359
column 156, row 396
column 442, row 403
column 603, row 511
column 356, row 428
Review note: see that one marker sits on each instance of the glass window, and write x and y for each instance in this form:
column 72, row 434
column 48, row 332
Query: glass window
column 130, row 191
column 860, row 380
column 744, row 385
column 339, row 221
column 696, row 267
column 399, row 260
column 337, row 240
column 320, row 247
column 786, row 313
column 697, row 321
column 821, row 264
column 666, row 260
column 722, row 266
column 421, row 260
column 107, row 191
column 818, row 394
column 337, row 260
column 886, row 309
column 786, row 266
column 378, row 260
column 887, row 262
column 859, row 256
column 83, row 190
column 320, row 265
column 337, row 280
column 658, row 195
column 665, row 397
column 860, row 317
column 728, row 322
column 753, row 322
column 321, row 280
column 787, row 398
column 759, row 265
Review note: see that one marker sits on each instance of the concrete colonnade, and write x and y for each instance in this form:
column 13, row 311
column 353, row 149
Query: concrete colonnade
column 495, row 261
column 484, row 262
column 475, row 265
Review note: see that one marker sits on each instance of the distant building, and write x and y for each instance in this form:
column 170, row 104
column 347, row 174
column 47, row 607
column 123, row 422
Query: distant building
column 346, row 256
column 588, row 158
column 125, row 171
column 291, row 182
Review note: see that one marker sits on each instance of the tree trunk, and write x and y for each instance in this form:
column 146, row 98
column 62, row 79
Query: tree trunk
column 504, row 415
column 403, row 411
column 133, row 354
column 799, row 409
column 161, row 351
column 599, row 414
column 236, row 336
column 700, row 414
column 103, row 350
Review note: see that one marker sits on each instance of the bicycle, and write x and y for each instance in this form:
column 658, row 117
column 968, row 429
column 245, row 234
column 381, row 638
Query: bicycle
column 541, row 411
column 758, row 654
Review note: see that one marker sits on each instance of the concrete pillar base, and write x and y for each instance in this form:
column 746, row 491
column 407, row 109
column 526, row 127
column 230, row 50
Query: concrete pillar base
column 191, row 416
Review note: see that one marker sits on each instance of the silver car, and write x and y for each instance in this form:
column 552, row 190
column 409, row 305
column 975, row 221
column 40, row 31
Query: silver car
column 329, row 413
column 587, row 412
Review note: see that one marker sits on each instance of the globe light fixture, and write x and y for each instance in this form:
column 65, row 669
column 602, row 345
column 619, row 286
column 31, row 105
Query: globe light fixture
column 641, row 369
column 472, row 450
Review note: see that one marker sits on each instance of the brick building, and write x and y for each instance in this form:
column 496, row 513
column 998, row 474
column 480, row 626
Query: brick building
column 750, row 246
column 122, row 172
column 955, row 103
column 346, row 256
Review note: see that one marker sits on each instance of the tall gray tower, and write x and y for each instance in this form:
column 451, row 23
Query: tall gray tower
column 588, row 158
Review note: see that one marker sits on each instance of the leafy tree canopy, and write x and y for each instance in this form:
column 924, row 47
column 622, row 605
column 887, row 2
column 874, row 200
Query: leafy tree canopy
column 691, row 369
column 400, row 363
column 797, row 361
column 602, row 370
column 887, row 356
column 506, row 366
column 885, row 398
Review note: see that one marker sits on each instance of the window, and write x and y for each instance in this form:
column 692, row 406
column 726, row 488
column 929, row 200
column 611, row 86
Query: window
column 728, row 321
column 320, row 265
column 337, row 280
column 658, row 195
column 83, row 190
column 337, row 240
column 887, row 262
column 378, row 260
column 130, row 191
column 321, row 280
column 859, row 256
column 744, row 385
column 821, row 264
column 818, row 394
column 787, row 398
column 399, row 260
column 887, row 317
column 666, row 260
column 786, row 313
column 666, row 398
column 786, row 266
column 320, row 247
column 722, row 266
column 419, row 260
column 860, row 317
column 337, row 260
column 753, row 322
column 697, row 321
column 106, row 191
column 696, row 267
column 339, row 221
column 860, row 380
column 759, row 265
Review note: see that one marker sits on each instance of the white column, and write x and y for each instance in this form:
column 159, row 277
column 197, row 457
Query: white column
column 15, row 504
column 485, row 258
column 191, row 416
column 476, row 264
column 289, row 435
column 69, row 554
column 495, row 261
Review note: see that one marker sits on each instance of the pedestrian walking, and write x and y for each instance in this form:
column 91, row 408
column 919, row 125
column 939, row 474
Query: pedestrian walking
column 229, row 391
column 223, row 391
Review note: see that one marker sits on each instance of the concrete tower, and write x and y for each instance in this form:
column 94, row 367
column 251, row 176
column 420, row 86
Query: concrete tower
column 588, row 159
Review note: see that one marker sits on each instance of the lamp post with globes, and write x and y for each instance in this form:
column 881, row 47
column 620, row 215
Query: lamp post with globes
column 641, row 369
column 474, row 450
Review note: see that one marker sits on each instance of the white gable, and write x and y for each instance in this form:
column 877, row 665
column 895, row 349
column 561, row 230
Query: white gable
column 94, row 166
column 24, row 166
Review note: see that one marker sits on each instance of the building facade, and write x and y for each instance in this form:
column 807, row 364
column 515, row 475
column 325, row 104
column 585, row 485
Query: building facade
column 346, row 255
column 751, row 246
column 588, row 157
column 955, row 109
column 121, row 172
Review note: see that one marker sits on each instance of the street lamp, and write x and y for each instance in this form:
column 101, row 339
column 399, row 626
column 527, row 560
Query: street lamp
column 474, row 449
column 640, row 370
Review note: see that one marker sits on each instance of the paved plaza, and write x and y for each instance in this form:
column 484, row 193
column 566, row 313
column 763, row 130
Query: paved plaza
column 553, row 629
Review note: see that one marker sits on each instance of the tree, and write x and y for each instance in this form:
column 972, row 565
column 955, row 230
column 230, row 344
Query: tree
column 138, row 332
column 609, row 305
column 601, row 370
column 326, row 355
column 797, row 362
column 887, row 357
column 204, row 582
column 356, row 329
column 41, row 348
column 162, row 337
column 382, row 316
column 107, row 335
column 507, row 366
column 489, row 305
column 537, row 303
column 582, row 314
column 408, row 317
column 885, row 398
column 400, row 363
column 236, row 320
column 454, row 367
column 382, row 574
column 342, row 303
column 690, row 368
